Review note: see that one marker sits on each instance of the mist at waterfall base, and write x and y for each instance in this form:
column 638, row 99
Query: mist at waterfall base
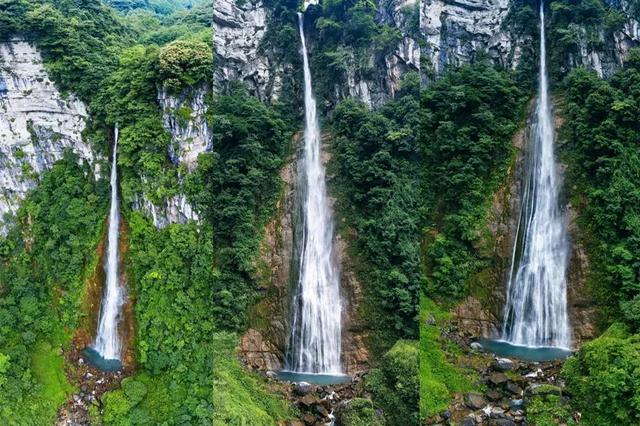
column 536, row 308
column 106, row 351
column 314, row 345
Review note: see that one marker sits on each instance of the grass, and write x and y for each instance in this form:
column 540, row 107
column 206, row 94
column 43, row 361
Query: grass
column 47, row 366
column 439, row 378
column 241, row 398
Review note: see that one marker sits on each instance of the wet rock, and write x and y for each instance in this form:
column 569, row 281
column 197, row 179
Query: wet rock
column 309, row 419
column 468, row 421
column 321, row 411
column 503, row 364
column 513, row 388
column 272, row 375
column 302, row 388
column 494, row 395
column 476, row 346
column 475, row 401
column 498, row 379
column 308, row 401
column 502, row 422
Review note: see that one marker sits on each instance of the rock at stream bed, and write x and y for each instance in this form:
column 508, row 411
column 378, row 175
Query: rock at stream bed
column 475, row 401
column 503, row 364
column 302, row 388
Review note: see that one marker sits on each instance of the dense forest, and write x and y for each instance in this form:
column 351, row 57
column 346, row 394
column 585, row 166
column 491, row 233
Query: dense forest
column 425, row 164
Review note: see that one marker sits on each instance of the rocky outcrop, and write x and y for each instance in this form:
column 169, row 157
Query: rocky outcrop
column 238, row 32
column 243, row 55
column 37, row 123
column 455, row 30
column 602, row 50
column 184, row 116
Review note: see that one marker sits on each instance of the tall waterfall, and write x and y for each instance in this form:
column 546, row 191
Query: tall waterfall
column 108, row 343
column 315, row 340
column 536, row 309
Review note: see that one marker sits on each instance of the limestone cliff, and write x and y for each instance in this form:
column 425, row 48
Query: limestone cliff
column 242, row 53
column 239, row 29
column 455, row 30
column 184, row 117
column 37, row 123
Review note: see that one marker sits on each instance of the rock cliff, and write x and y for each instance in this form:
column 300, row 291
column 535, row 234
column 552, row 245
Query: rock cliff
column 37, row 123
column 239, row 29
column 184, row 117
column 480, row 314
column 454, row 30
column 243, row 55
column 264, row 345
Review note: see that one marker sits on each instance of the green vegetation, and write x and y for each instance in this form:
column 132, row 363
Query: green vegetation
column 603, row 379
column 240, row 398
column 242, row 181
column 395, row 384
column 43, row 264
column 360, row 412
column 375, row 162
column 603, row 150
column 440, row 378
column 469, row 118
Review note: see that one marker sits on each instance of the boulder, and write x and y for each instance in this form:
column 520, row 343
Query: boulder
column 498, row 379
column 513, row 388
column 302, row 388
column 503, row 364
column 475, row 401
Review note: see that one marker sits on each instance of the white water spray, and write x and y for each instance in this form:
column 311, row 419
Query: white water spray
column 108, row 340
column 315, row 341
column 536, row 309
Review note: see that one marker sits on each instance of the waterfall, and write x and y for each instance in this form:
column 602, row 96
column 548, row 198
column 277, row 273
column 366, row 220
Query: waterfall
column 108, row 343
column 536, row 309
column 315, row 340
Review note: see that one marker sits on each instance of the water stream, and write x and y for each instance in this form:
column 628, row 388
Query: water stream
column 107, row 343
column 536, row 309
column 315, row 341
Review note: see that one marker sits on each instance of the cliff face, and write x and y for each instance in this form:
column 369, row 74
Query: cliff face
column 184, row 117
column 602, row 50
column 385, row 71
column 238, row 32
column 37, row 123
column 264, row 345
column 242, row 54
column 454, row 30
column 481, row 313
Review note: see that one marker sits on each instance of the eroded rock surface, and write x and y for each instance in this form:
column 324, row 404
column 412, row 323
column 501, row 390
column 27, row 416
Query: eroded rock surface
column 37, row 123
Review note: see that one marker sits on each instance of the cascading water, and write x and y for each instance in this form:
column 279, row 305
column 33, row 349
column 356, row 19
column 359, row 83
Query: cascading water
column 108, row 344
column 315, row 340
column 536, row 309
